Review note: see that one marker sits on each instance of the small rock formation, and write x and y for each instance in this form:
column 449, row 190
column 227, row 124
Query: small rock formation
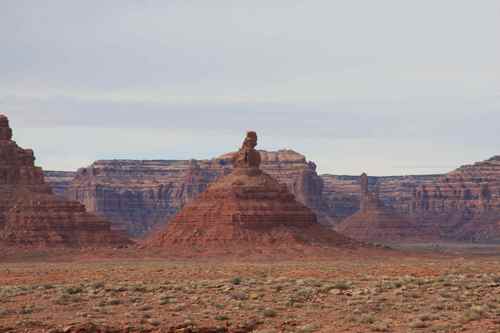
column 375, row 222
column 142, row 196
column 246, row 207
column 31, row 215
column 464, row 203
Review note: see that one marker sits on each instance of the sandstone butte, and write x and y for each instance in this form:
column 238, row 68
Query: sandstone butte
column 246, row 209
column 375, row 222
column 141, row 196
column 30, row 215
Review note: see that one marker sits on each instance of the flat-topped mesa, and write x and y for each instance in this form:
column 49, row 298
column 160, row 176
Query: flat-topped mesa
column 375, row 222
column 464, row 203
column 245, row 208
column 30, row 214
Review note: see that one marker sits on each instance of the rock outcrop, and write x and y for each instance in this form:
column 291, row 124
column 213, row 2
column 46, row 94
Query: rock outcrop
column 464, row 203
column 246, row 207
column 375, row 222
column 30, row 214
column 142, row 195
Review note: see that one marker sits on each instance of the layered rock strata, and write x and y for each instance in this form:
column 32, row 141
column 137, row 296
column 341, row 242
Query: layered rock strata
column 30, row 214
column 343, row 198
column 140, row 195
column 465, row 203
column 59, row 181
column 375, row 222
column 245, row 207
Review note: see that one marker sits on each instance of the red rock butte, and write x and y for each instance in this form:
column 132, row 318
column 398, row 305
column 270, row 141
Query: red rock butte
column 375, row 222
column 246, row 207
column 31, row 215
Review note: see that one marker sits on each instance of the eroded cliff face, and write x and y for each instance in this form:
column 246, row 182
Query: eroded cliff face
column 142, row 195
column 465, row 203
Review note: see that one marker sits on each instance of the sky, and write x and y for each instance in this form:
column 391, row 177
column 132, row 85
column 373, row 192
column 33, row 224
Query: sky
column 387, row 87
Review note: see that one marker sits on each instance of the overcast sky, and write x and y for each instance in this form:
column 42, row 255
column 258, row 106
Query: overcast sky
column 387, row 86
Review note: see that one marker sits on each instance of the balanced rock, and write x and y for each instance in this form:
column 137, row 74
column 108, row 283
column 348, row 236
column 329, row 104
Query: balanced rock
column 144, row 195
column 375, row 222
column 31, row 215
column 246, row 207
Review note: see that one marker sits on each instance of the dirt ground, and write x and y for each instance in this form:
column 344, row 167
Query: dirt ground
column 353, row 291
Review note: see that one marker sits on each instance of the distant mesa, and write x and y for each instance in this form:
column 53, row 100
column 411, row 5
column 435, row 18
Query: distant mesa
column 375, row 222
column 245, row 208
column 31, row 215
column 464, row 203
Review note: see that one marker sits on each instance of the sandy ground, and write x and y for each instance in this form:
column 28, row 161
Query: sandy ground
column 453, row 290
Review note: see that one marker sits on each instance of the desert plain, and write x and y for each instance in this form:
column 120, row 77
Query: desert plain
column 423, row 288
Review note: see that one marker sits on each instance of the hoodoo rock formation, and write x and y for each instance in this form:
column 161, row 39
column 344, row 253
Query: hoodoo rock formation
column 464, row 203
column 375, row 222
column 29, row 212
column 144, row 195
column 246, row 207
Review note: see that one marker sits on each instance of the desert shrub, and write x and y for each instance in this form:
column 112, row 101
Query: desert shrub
column 342, row 285
column 221, row 317
column 269, row 313
column 73, row 290
column 236, row 280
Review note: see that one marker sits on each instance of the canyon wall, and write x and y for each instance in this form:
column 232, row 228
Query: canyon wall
column 141, row 195
column 465, row 203
column 138, row 195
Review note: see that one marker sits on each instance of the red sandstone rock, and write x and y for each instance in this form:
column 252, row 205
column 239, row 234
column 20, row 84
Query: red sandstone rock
column 246, row 207
column 375, row 222
column 342, row 196
column 145, row 195
column 31, row 215
column 464, row 203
